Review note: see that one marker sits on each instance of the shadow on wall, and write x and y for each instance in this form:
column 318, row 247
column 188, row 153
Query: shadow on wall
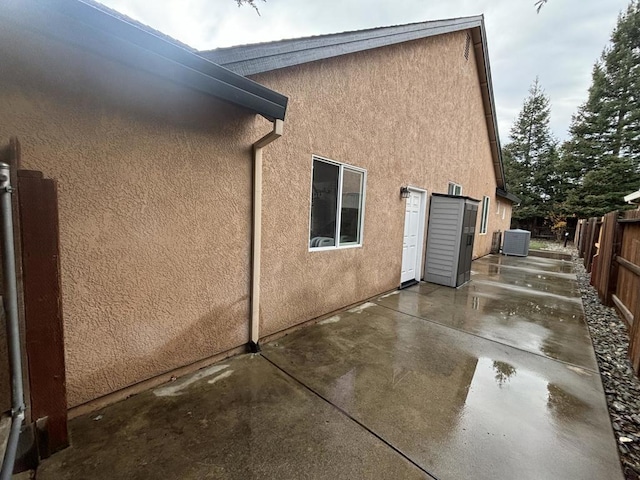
column 134, row 369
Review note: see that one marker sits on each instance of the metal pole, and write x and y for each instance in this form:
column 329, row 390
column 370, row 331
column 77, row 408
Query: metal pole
column 13, row 332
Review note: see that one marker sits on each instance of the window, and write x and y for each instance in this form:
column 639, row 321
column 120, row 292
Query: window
column 455, row 189
column 485, row 215
column 498, row 209
column 337, row 205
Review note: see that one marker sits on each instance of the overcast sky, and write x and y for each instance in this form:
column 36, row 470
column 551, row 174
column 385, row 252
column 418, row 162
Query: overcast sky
column 559, row 45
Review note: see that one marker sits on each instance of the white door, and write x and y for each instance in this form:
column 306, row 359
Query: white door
column 411, row 250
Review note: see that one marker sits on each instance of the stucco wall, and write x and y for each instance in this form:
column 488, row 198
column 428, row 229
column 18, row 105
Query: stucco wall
column 410, row 114
column 155, row 192
column 155, row 204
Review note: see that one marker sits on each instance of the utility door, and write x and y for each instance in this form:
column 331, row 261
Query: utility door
column 413, row 236
column 466, row 243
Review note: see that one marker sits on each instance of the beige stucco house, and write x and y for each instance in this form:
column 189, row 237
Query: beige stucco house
column 183, row 238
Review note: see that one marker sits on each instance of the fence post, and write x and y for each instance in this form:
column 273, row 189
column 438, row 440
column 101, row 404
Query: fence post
column 593, row 235
column 616, row 250
column 576, row 235
column 38, row 200
column 583, row 239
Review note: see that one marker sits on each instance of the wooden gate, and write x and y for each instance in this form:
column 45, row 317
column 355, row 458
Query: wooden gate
column 36, row 237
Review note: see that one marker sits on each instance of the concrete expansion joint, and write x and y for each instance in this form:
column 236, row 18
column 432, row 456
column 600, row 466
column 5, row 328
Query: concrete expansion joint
column 569, row 364
column 349, row 416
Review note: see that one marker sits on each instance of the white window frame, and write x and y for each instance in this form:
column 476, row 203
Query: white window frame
column 484, row 219
column 455, row 186
column 341, row 166
column 498, row 209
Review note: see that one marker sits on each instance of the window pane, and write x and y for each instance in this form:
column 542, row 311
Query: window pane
column 485, row 215
column 452, row 187
column 351, row 207
column 324, row 204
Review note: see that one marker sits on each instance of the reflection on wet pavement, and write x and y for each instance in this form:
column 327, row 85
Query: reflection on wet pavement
column 493, row 380
column 535, row 263
column 254, row 423
column 456, row 404
column 542, row 316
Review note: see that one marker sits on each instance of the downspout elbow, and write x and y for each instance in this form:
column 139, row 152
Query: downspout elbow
column 254, row 331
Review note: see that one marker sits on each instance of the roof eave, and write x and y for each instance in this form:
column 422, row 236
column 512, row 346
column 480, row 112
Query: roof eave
column 481, row 51
column 100, row 32
column 265, row 57
column 259, row 58
column 507, row 196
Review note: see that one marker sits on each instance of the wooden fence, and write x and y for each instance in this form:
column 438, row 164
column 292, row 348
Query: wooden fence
column 610, row 247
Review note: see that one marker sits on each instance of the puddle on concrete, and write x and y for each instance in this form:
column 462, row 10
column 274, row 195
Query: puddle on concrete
column 526, row 289
column 508, row 409
column 458, row 405
column 547, row 324
column 536, row 263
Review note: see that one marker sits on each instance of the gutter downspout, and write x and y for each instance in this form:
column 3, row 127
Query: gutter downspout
column 13, row 331
column 278, row 127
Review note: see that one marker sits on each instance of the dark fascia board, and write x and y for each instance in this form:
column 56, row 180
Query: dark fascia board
column 481, row 51
column 264, row 57
column 98, row 30
column 506, row 195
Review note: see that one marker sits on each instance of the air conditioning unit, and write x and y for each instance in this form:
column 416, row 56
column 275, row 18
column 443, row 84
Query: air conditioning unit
column 516, row 242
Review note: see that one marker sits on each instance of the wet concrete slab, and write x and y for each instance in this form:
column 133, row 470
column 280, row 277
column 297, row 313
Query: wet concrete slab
column 494, row 380
column 536, row 263
column 526, row 282
column 242, row 419
column 545, row 323
column 458, row 405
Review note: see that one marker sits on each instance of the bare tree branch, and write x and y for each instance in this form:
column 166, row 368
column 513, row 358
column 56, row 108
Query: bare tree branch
column 539, row 4
column 251, row 3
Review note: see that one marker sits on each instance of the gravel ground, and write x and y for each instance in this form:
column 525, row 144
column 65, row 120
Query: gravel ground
column 621, row 386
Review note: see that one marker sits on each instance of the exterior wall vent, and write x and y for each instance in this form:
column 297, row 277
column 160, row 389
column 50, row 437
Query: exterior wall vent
column 467, row 46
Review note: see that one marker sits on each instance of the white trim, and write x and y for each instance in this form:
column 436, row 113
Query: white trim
column 341, row 166
column 632, row 196
column 484, row 222
column 421, row 232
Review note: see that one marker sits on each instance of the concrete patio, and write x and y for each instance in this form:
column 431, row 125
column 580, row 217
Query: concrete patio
column 494, row 380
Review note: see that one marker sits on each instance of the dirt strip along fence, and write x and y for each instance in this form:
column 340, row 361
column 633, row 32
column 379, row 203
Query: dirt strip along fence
column 610, row 247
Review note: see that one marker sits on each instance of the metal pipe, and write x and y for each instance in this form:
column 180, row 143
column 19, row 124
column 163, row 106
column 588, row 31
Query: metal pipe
column 276, row 133
column 13, row 332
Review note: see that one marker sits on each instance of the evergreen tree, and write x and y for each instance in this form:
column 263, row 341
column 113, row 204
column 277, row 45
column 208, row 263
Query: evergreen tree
column 529, row 158
column 601, row 159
